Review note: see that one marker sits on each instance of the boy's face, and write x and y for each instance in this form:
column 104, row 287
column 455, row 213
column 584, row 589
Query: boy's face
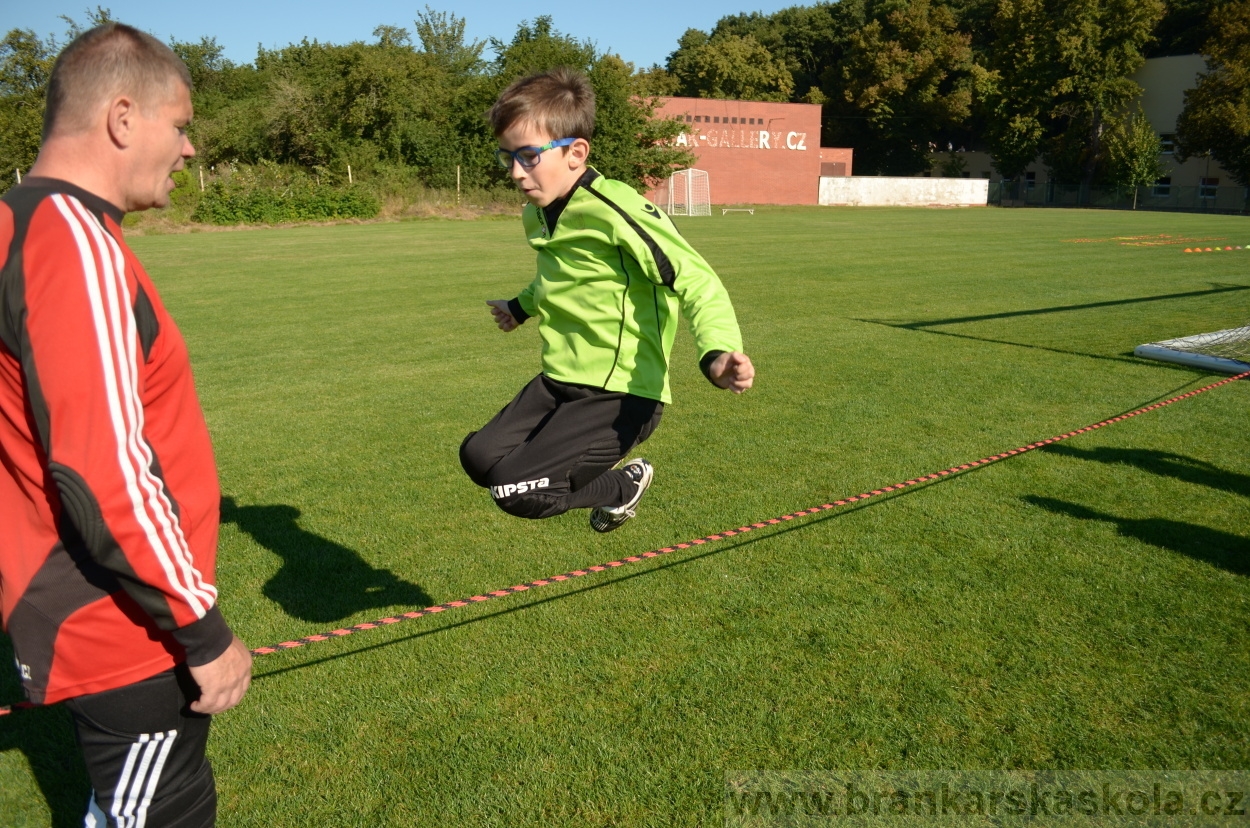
column 557, row 170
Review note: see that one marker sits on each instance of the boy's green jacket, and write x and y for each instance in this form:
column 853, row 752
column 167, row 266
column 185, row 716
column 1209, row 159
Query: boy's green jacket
column 612, row 273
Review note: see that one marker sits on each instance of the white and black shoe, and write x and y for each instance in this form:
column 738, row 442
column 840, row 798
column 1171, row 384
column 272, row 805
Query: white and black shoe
column 604, row 519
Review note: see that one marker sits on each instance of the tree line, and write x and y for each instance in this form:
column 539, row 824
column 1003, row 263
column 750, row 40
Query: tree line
column 405, row 104
column 1020, row 79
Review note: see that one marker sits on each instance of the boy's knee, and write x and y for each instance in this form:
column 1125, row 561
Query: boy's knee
column 475, row 460
column 527, row 499
column 532, row 507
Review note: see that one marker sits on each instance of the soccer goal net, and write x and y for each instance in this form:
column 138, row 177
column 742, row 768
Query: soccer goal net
column 689, row 194
column 1225, row 351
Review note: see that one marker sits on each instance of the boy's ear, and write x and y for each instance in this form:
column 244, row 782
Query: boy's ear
column 579, row 151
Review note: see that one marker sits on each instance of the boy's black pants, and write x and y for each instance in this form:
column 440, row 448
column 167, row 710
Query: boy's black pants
column 144, row 751
column 553, row 448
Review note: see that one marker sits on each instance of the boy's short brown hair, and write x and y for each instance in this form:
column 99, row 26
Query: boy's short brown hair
column 108, row 60
column 558, row 101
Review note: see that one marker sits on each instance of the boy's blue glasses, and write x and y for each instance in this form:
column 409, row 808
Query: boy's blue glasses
column 528, row 157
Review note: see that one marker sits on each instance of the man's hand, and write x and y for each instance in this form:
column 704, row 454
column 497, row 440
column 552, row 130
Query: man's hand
column 224, row 680
column 732, row 370
column 505, row 320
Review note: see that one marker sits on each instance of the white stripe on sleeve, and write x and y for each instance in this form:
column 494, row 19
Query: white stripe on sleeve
column 125, row 429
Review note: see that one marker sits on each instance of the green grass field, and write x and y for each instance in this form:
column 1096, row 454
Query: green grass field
column 1081, row 607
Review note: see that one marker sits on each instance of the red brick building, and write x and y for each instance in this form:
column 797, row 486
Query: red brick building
column 755, row 152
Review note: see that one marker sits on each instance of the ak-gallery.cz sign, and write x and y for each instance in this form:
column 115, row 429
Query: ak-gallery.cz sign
column 744, row 139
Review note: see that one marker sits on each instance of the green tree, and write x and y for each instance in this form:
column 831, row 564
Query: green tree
column 1216, row 117
column 1133, row 153
column 1018, row 89
column 25, row 62
column 807, row 40
column 631, row 144
column 729, row 66
column 205, row 61
column 1183, row 29
column 1097, row 45
column 654, row 81
column 442, row 37
column 392, row 36
column 907, row 77
column 95, row 17
column 1059, row 72
column 976, row 20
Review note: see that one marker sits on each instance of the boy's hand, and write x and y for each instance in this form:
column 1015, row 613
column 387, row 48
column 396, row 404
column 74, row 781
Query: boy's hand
column 505, row 320
column 732, row 370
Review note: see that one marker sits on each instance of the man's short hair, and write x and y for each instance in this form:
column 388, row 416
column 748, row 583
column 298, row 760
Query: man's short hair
column 559, row 101
column 101, row 63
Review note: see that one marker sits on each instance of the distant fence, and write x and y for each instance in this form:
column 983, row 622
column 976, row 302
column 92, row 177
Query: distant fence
column 1180, row 199
column 872, row 190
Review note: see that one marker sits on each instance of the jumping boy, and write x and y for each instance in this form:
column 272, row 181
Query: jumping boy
column 612, row 273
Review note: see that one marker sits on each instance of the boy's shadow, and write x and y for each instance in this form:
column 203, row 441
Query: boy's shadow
column 45, row 735
column 320, row 580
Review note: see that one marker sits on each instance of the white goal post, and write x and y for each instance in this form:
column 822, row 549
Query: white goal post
column 1227, row 352
column 689, row 194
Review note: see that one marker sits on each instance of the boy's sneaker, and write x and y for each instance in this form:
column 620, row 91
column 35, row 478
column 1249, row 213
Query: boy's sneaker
column 603, row 519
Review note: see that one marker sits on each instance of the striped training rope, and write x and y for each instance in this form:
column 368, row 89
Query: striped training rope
column 728, row 533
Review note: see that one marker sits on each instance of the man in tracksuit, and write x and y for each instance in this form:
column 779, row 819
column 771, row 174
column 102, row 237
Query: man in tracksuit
column 108, row 490
column 613, row 273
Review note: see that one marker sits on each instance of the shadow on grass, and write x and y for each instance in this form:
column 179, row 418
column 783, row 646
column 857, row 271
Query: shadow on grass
column 668, row 563
column 320, row 581
column 1220, row 549
column 957, row 320
column 1129, row 359
column 1162, row 463
column 45, row 736
column 925, row 326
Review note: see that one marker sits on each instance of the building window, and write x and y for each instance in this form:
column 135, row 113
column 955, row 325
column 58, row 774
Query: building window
column 687, row 119
column 1207, row 187
column 716, row 119
column 698, row 119
column 1030, row 180
column 1163, row 186
column 1167, row 143
column 985, row 173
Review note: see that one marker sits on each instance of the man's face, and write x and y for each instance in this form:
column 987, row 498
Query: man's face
column 161, row 149
column 557, row 170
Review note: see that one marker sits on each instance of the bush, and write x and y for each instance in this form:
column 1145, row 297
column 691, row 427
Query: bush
column 271, row 195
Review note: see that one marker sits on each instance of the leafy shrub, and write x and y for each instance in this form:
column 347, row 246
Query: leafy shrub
column 268, row 194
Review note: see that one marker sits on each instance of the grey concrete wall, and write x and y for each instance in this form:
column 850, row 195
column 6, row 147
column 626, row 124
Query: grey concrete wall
column 866, row 191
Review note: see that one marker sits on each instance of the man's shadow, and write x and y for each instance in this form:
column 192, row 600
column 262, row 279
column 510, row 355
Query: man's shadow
column 1222, row 549
column 45, row 735
column 1163, row 463
column 320, row 581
